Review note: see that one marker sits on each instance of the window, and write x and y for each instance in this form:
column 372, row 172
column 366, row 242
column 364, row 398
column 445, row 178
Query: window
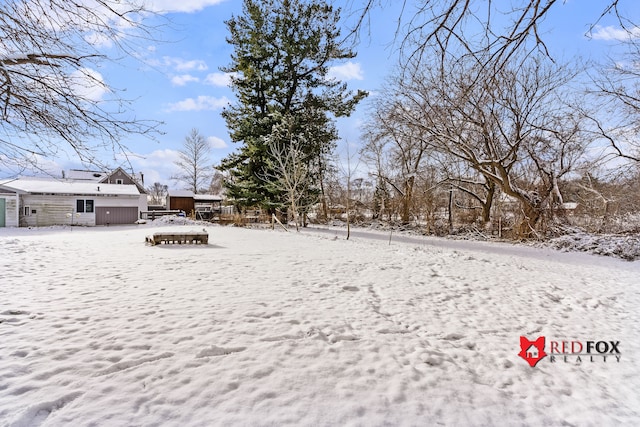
column 119, row 181
column 26, row 211
column 84, row 206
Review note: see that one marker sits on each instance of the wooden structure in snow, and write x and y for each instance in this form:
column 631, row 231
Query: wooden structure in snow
column 167, row 237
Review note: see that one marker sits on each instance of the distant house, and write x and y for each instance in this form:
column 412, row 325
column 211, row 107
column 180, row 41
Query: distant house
column 83, row 200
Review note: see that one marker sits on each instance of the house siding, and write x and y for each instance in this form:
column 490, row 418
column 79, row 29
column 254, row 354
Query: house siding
column 11, row 218
column 53, row 210
column 61, row 210
column 116, row 175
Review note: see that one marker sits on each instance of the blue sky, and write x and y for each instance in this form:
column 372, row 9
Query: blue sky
column 178, row 81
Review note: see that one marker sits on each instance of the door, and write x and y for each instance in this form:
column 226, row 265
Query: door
column 3, row 212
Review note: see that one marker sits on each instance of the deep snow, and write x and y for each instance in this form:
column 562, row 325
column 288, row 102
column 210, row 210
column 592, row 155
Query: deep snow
column 264, row 327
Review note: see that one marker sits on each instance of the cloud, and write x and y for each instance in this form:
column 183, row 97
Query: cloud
column 180, row 64
column 88, row 84
column 201, row 103
column 617, row 34
column 348, row 71
column 215, row 142
column 183, row 79
column 157, row 166
column 99, row 40
column 219, row 79
column 184, row 6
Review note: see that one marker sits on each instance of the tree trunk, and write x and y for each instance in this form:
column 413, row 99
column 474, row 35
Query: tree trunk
column 532, row 215
column 405, row 214
column 488, row 203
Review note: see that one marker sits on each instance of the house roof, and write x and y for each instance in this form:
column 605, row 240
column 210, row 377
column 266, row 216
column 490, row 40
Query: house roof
column 138, row 181
column 85, row 175
column 56, row 186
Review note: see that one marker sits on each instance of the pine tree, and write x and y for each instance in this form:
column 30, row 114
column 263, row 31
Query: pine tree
column 282, row 53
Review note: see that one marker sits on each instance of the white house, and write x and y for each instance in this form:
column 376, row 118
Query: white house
column 40, row 202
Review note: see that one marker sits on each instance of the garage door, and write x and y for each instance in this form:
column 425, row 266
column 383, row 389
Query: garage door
column 120, row 215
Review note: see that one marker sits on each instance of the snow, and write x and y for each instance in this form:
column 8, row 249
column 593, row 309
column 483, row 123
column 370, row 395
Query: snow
column 52, row 186
column 268, row 328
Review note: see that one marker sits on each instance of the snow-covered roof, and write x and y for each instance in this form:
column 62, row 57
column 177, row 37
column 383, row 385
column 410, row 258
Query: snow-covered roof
column 85, row 175
column 56, row 186
column 180, row 193
column 207, row 197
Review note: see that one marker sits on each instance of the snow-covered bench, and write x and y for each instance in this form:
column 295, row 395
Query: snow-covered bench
column 167, row 237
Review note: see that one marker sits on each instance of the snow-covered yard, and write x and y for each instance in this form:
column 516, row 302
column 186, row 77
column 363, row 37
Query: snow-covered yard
column 267, row 328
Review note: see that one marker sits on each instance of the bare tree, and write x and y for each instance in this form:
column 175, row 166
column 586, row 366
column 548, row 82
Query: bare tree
column 472, row 184
column 158, row 193
column 502, row 30
column 51, row 96
column 291, row 175
column 408, row 148
column 195, row 168
column 217, row 183
column 514, row 122
column 616, row 87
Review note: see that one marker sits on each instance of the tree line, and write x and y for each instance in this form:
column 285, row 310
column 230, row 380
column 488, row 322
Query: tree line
column 475, row 127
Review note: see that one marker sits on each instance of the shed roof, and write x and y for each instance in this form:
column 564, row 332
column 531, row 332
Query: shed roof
column 180, row 193
column 56, row 186
column 207, row 198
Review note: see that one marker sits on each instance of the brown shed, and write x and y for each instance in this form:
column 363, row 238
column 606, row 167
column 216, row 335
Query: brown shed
column 180, row 200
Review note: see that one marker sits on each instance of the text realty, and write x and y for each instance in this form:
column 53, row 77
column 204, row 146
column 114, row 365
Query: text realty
column 572, row 351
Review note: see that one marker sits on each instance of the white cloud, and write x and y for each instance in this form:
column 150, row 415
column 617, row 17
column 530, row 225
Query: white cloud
column 89, row 84
column 219, row 79
column 215, row 142
column 348, row 71
column 185, row 6
column 617, row 34
column 99, row 40
column 183, row 79
column 200, row 103
column 180, row 64
column 157, row 166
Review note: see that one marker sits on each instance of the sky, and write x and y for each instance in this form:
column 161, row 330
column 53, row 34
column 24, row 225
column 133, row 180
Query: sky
column 176, row 79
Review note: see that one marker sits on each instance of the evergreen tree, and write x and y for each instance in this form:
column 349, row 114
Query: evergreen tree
column 282, row 53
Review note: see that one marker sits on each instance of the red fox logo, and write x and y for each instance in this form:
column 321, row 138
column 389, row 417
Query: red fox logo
column 532, row 351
